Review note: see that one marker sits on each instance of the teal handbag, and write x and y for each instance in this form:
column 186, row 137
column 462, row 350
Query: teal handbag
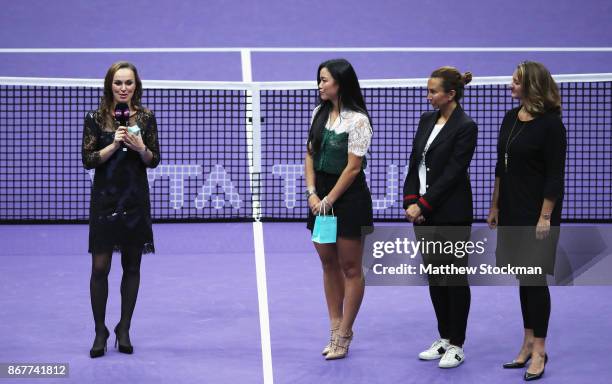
column 325, row 228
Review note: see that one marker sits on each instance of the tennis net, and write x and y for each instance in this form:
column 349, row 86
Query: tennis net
column 234, row 151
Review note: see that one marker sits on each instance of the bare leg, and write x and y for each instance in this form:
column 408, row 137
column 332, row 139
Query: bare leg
column 349, row 253
column 333, row 282
column 527, row 347
column 538, row 355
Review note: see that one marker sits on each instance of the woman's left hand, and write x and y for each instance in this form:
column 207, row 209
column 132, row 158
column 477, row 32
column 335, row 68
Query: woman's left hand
column 543, row 228
column 134, row 142
column 325, row 206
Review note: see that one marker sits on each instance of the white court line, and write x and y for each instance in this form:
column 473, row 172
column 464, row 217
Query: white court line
column 253, row 133
column 262, row 298
column 284, row 85
column 245, row 61
column 303, row 49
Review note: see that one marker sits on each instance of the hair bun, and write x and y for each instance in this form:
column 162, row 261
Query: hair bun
column 466, row 78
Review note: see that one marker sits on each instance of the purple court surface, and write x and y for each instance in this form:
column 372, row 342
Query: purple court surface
column 197, row 316
column 199, row 312
column 196, row 319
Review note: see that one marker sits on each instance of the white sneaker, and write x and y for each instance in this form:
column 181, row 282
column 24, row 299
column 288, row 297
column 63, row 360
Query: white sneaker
column 452, row 358
column 436, row 350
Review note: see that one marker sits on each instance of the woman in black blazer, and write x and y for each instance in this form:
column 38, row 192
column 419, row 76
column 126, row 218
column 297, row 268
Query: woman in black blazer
column 438, row 201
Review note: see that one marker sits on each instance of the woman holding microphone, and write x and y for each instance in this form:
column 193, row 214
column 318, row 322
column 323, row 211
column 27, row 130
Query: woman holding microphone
column 120, row 210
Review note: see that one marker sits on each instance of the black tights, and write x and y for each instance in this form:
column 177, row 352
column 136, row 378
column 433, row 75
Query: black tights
column 130, row 281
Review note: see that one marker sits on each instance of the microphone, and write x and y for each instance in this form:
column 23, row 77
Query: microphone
column 122, row 115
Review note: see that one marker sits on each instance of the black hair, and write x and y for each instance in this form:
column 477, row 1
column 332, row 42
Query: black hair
column 349, row 96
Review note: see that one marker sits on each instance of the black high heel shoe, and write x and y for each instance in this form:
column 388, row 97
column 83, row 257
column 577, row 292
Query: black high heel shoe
column 516, row 364
column 125, row 346
column 535, row 376
column 97, row 350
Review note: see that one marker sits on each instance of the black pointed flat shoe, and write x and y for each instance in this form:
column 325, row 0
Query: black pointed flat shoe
column 536, row 376
column 516, row 364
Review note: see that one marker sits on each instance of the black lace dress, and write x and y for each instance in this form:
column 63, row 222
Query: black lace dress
column 120, row 209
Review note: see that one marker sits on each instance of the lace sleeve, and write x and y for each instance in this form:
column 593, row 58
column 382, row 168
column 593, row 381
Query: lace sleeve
column 312, row 116
column 89, row 146
column 314, row 113
column 360, row 136
column 151, row 141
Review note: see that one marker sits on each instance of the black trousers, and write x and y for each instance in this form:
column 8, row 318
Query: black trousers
column 450, row 294
column 452, row 306
column 535, row 307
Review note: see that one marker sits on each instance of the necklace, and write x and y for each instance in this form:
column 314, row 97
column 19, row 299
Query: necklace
column 511, row 139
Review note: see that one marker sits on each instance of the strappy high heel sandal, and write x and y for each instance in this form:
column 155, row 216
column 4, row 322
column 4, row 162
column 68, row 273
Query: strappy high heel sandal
column 327, row 348
column 340, row 347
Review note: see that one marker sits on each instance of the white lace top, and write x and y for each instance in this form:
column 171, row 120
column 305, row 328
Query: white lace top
column 358, row 127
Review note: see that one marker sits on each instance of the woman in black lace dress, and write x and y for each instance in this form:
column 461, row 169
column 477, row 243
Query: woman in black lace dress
column 120, row 210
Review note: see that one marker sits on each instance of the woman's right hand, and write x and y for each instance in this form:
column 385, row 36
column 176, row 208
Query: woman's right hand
column 492, row 218
column 413, row 213
column 120, row 136
column 314, row 203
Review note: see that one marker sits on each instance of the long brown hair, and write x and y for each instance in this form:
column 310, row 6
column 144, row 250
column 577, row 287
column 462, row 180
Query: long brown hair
column 540, row 92
column 452, row 80
column 106, row 102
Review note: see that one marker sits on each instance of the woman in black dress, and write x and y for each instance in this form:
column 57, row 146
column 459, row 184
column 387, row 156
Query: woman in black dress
column 339, row 138
column 438, row 200
column 527, row 200
column 120, row 210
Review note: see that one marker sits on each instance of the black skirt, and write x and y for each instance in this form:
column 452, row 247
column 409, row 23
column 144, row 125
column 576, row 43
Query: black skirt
column 353, row 209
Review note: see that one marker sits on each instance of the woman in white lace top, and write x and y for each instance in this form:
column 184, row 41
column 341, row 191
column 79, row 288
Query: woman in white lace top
column 338, row 141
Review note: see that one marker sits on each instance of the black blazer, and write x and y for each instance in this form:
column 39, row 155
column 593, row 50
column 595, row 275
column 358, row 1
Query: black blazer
column 448, row 199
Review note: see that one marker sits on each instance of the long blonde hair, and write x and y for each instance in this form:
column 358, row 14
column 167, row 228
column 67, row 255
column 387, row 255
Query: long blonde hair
column 107, row 100
column 540, row 92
